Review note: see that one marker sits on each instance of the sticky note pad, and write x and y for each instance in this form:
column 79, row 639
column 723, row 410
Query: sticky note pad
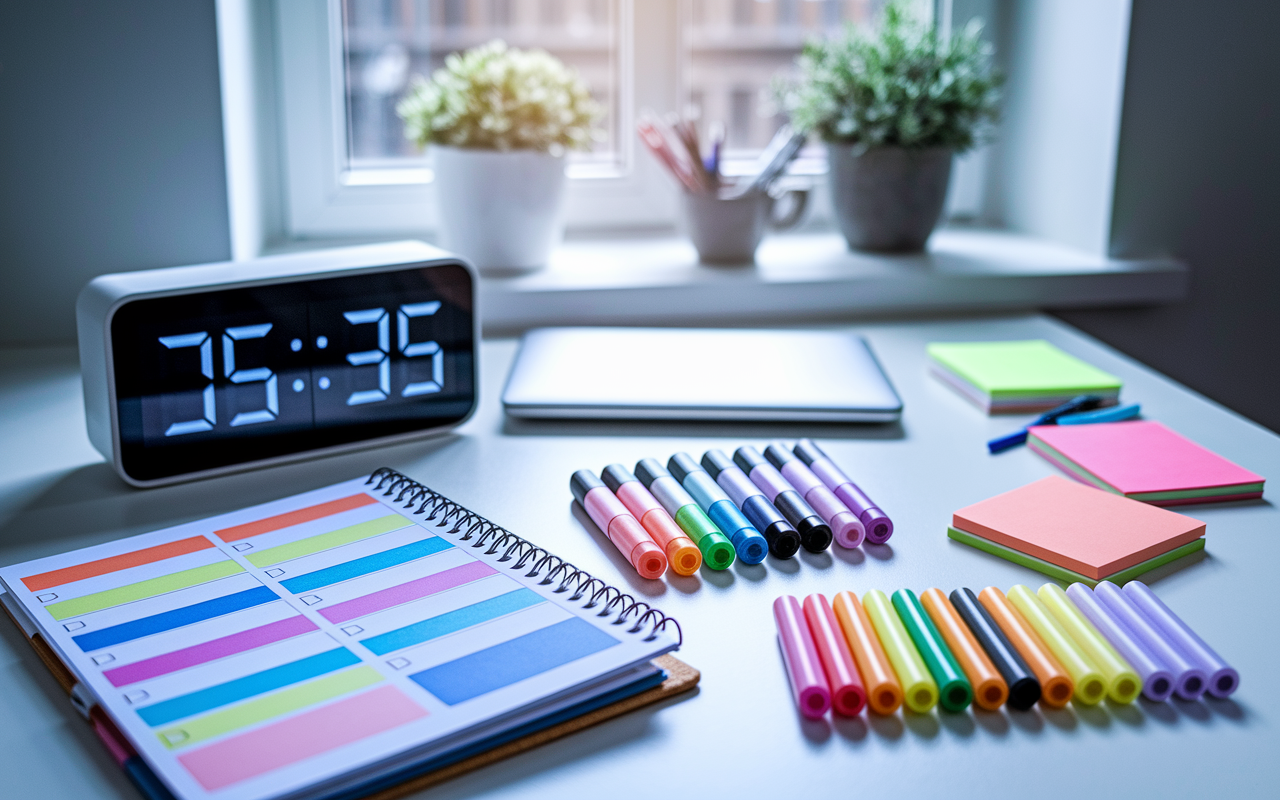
column 1018, row 377
column 1079, row 528
column 1144, row 460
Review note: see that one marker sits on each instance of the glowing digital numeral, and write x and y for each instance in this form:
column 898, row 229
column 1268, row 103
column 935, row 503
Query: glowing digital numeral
column 415, row 349
column 205, row 344
column 264, row 374
column 381, row 356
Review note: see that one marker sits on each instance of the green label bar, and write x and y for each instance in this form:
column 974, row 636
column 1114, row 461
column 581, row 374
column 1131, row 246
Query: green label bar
column 143, row 589
column 198, row 729
column 327, row 541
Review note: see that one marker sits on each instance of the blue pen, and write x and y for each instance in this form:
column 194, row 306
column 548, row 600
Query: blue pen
column 1113, row 414
column 1085, row 402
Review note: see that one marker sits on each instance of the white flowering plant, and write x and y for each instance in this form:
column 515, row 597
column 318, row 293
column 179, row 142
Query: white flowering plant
column 903, row 86
column 495, row 97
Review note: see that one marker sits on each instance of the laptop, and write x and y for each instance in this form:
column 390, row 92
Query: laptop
column 698, row 374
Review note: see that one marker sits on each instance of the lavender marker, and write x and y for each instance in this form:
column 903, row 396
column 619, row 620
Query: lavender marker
column 1157, row 680
column 1223, row 680
column 1189, row 681
column 877, row 523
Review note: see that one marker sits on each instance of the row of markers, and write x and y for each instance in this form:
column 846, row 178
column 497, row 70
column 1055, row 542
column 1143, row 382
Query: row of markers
column 722, row 509
column 990, row 649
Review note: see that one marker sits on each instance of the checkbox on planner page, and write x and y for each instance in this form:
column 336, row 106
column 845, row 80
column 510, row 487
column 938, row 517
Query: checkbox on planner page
column 398, row 663
column 105, row 658
column 175, row 737
column 274, row 573
column 47, row 597
column 310, row 599
column 240, row 548
column 73, row 626
column 136, row 697
column 352, row 630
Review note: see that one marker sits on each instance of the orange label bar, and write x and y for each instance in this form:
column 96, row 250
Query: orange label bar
column 294, row 518
column 103, row 566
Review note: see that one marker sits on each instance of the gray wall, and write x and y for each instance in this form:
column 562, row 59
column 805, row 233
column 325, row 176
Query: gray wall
column 1198, row 177
column 111, row 153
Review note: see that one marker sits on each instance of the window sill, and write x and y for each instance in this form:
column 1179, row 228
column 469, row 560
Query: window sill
column 813, row 276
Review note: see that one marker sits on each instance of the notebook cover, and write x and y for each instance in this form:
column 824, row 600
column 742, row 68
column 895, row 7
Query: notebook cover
column 1066, row 575
column 1021, row 370
column 1144, row 459
column 680, row 678
column 1086, row 530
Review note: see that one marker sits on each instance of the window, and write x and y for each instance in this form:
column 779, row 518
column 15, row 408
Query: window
column 344, row 65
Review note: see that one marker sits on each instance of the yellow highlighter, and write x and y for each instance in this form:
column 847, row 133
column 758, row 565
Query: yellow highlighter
column 920, row 693
column 1123, row 683
column 1090, row 685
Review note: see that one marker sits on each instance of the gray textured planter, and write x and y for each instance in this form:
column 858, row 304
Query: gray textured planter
column 888, row 199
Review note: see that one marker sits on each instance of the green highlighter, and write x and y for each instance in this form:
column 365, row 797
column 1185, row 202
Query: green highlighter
column 717, row 550
column 954, row 691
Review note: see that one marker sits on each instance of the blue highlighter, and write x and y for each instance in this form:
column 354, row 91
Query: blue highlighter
column 748, row 542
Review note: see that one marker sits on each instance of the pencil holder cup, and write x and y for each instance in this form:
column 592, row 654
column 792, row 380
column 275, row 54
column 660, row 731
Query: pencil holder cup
column 726, row 227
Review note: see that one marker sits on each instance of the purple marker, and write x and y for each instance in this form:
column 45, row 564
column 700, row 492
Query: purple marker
column 1223, row 680
column 877, row 523
column 1189, row 681
column 815, row 534
column 846, row 528
column 1157, row 680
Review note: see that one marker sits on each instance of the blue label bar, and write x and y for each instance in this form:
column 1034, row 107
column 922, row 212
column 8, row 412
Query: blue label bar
column 258, row 683
column 452, row 621
column 364, row 566
column 504, row 664
column 177, row 618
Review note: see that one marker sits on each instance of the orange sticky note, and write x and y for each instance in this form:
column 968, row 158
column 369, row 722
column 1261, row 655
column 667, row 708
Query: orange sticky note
column 1086, row 530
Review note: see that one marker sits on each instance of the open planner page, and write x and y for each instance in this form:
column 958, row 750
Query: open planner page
column 263, row 652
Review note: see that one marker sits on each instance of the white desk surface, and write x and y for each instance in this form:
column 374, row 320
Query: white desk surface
column 739, row 735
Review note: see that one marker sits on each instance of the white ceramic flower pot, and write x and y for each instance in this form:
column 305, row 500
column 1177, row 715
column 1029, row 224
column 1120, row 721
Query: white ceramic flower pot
column 502, row 211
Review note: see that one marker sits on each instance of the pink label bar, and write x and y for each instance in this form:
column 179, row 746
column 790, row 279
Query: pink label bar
column 209, row 651
column 406, row 592
column 309, row 734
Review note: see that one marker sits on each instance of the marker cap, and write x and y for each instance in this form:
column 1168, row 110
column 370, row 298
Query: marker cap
column 777, row 454
column 715, row 462
column 582, row 482
column 615, row 475
column 681, row 464
column 649, row 470
column 808, row 452
column 748, row 458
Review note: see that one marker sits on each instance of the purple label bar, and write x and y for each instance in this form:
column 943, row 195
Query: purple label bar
column 407, row 592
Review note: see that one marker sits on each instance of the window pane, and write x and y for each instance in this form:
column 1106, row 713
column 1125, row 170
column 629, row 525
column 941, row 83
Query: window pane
column 386, row 42
column 736, row 47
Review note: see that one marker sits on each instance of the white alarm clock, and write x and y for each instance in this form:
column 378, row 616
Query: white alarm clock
column 195, row 371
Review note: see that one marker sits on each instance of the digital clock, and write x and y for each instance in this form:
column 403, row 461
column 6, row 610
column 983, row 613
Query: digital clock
column 195, row 371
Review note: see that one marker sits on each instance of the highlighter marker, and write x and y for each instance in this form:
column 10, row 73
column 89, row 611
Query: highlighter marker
column 1091, row 687
column 846, row 528
column 1123, row 683
column 1189, row 681
column 682, row 554
column 800, row 656
column 920, row 693
column 622, row 529
column 1223, row 679
column 884, row 693
column 1024, row 689
column 750, row 546
column 1056, row 687
column 815, row 535
column 1157, row 680
column 989, row 689
column 847, row 695
column 717, row 550
column 954, row 691
column 781, row 536
column 879, row 526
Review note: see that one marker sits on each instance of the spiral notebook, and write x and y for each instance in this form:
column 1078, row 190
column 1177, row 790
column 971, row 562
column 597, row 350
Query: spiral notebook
column 334, row 643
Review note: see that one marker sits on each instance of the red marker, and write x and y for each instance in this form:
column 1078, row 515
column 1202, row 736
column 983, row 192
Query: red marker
column 622, row 529
column 847, row 695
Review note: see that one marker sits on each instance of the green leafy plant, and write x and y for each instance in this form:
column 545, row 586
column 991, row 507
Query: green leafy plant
column 902, row 86
column 495, row 97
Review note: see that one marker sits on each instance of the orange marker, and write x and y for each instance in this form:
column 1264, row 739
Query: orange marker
column 989, row 689
column 683, row 555
column 847, row 695
column 1056, row 686
column 884, row 693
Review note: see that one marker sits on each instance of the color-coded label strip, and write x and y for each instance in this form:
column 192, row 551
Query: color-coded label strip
column 105, row 566
column 327, row 541
column 407, row 592
column 177, row 618
column 297, row 738
column 143, row 589
column 288, row 520
column 512, row 661
column 452, row 621
column 364, row 566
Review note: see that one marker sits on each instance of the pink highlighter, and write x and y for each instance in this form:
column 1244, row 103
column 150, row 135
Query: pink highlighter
column 623, row 530
column 800, row 656
column 846, row 528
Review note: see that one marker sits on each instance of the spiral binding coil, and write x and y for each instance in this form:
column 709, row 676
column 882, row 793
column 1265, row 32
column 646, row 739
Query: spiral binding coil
column 495, row 539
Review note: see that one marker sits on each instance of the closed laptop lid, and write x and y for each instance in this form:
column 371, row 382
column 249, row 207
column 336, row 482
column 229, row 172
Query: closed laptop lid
column 670, row 373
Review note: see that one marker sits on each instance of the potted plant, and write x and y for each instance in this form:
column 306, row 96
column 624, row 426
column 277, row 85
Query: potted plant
column 893, row 107
column 500, row 121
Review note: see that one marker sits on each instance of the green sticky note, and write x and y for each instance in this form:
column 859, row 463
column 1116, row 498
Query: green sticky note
column 1009, row 370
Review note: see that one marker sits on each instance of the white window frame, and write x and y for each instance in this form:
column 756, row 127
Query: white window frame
column 326, row 201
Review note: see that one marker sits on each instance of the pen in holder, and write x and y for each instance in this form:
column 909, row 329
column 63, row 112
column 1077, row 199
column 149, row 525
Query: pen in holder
column 726, row 225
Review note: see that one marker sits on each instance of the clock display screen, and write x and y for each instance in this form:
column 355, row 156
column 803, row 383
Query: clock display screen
column 225, row 377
